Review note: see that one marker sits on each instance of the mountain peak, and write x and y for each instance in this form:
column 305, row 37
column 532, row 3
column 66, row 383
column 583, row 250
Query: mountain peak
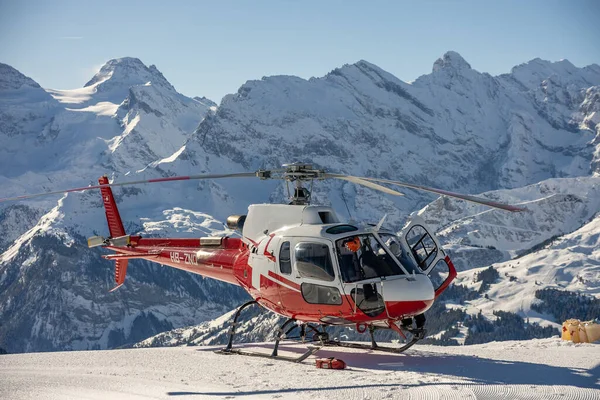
column 12, row 79
column 126, row 61
column 126, row 72
column 206, row 101
column 451, row 60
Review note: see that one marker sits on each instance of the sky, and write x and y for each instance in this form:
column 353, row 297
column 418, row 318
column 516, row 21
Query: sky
column 210, row 48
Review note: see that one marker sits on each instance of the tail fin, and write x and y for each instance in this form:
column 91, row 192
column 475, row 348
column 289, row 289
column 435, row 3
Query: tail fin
column 115, row 227
column 120, row 272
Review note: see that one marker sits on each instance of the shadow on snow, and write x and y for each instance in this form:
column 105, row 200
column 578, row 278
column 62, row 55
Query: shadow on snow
column 468, row 370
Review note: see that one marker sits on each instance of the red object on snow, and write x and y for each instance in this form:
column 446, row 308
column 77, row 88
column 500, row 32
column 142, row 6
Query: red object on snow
column 330, row 363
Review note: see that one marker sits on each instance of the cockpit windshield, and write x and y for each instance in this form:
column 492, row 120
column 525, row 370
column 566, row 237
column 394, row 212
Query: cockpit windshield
column 393, row 244
column 363, row 257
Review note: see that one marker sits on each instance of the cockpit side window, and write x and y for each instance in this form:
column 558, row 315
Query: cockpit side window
column 285, row 263
column 313, row 260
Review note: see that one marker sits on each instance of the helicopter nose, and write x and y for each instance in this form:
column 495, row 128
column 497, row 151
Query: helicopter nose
column 408, row 297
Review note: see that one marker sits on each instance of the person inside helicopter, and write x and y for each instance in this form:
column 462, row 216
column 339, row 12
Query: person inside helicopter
column 363, row 257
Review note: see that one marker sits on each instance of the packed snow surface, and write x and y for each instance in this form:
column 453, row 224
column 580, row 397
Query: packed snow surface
column 536, row 369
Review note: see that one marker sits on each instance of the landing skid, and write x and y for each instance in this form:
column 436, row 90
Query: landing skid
column 309, row 352
column 321, row 338
column 417, row 336
column 281, row 333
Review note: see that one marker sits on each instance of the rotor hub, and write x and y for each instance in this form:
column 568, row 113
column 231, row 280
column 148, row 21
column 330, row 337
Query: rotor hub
column 301, row 172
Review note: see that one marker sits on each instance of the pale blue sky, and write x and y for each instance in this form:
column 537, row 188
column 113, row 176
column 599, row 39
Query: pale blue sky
column 211, row 48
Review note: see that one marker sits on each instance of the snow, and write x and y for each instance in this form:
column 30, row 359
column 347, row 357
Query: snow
column 178, row 220
column 44, row 225
column 103, row 108
column 114, row 143
column 532, row 73
column 166, row 160
column 554, row 207
column 536, row 369
column 13, row 80
column 73, row 96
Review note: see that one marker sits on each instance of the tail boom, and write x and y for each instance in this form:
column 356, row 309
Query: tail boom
column 221, row 258
column 225, row 261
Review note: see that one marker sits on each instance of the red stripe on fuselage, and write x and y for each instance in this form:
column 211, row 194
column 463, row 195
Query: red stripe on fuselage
column 266, row 253
column 284, row 280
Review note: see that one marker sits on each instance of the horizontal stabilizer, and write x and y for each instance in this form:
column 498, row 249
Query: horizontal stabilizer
column 128, row 256
column 96, row 241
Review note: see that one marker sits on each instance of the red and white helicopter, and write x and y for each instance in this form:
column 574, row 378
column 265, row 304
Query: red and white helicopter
column 302, row 262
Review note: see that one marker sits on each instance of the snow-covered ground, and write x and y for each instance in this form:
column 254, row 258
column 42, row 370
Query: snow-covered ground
column 544, row 368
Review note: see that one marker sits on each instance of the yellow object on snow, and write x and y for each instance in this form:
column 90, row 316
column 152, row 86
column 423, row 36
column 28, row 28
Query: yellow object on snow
column 566, row 331
column 574, row 331
column 580, row 332
column 592, row 331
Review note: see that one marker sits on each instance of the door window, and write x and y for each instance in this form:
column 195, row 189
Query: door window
column 285, row 263
column 318, row 294
column 368, row 300
column 313, row 260
column 439, row 274
column 422, row 245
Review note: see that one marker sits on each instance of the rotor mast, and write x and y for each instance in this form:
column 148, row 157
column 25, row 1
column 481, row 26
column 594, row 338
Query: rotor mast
column 299, row 173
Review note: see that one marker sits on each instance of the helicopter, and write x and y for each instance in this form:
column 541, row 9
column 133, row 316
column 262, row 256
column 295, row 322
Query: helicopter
column 301, row 261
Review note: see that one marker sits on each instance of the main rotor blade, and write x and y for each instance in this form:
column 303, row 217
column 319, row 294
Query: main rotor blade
column 362, row 181
column 466, row 197
column 173, row 178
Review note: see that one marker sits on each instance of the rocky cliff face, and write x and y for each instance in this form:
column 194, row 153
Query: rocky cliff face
column 530, row 136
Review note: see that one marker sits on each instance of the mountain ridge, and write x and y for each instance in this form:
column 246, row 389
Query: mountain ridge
column 455, row 128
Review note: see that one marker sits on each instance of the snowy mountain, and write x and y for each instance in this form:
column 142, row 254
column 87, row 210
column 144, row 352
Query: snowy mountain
column 568, row 263
column 54, row 291
column 25, row 111
column 554, row 207
column 533, row 131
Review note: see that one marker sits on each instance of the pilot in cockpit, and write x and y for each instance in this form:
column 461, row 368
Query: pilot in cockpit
column 357, row 260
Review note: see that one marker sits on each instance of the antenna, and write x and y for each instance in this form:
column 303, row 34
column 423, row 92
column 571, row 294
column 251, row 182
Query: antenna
column 380, row 224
